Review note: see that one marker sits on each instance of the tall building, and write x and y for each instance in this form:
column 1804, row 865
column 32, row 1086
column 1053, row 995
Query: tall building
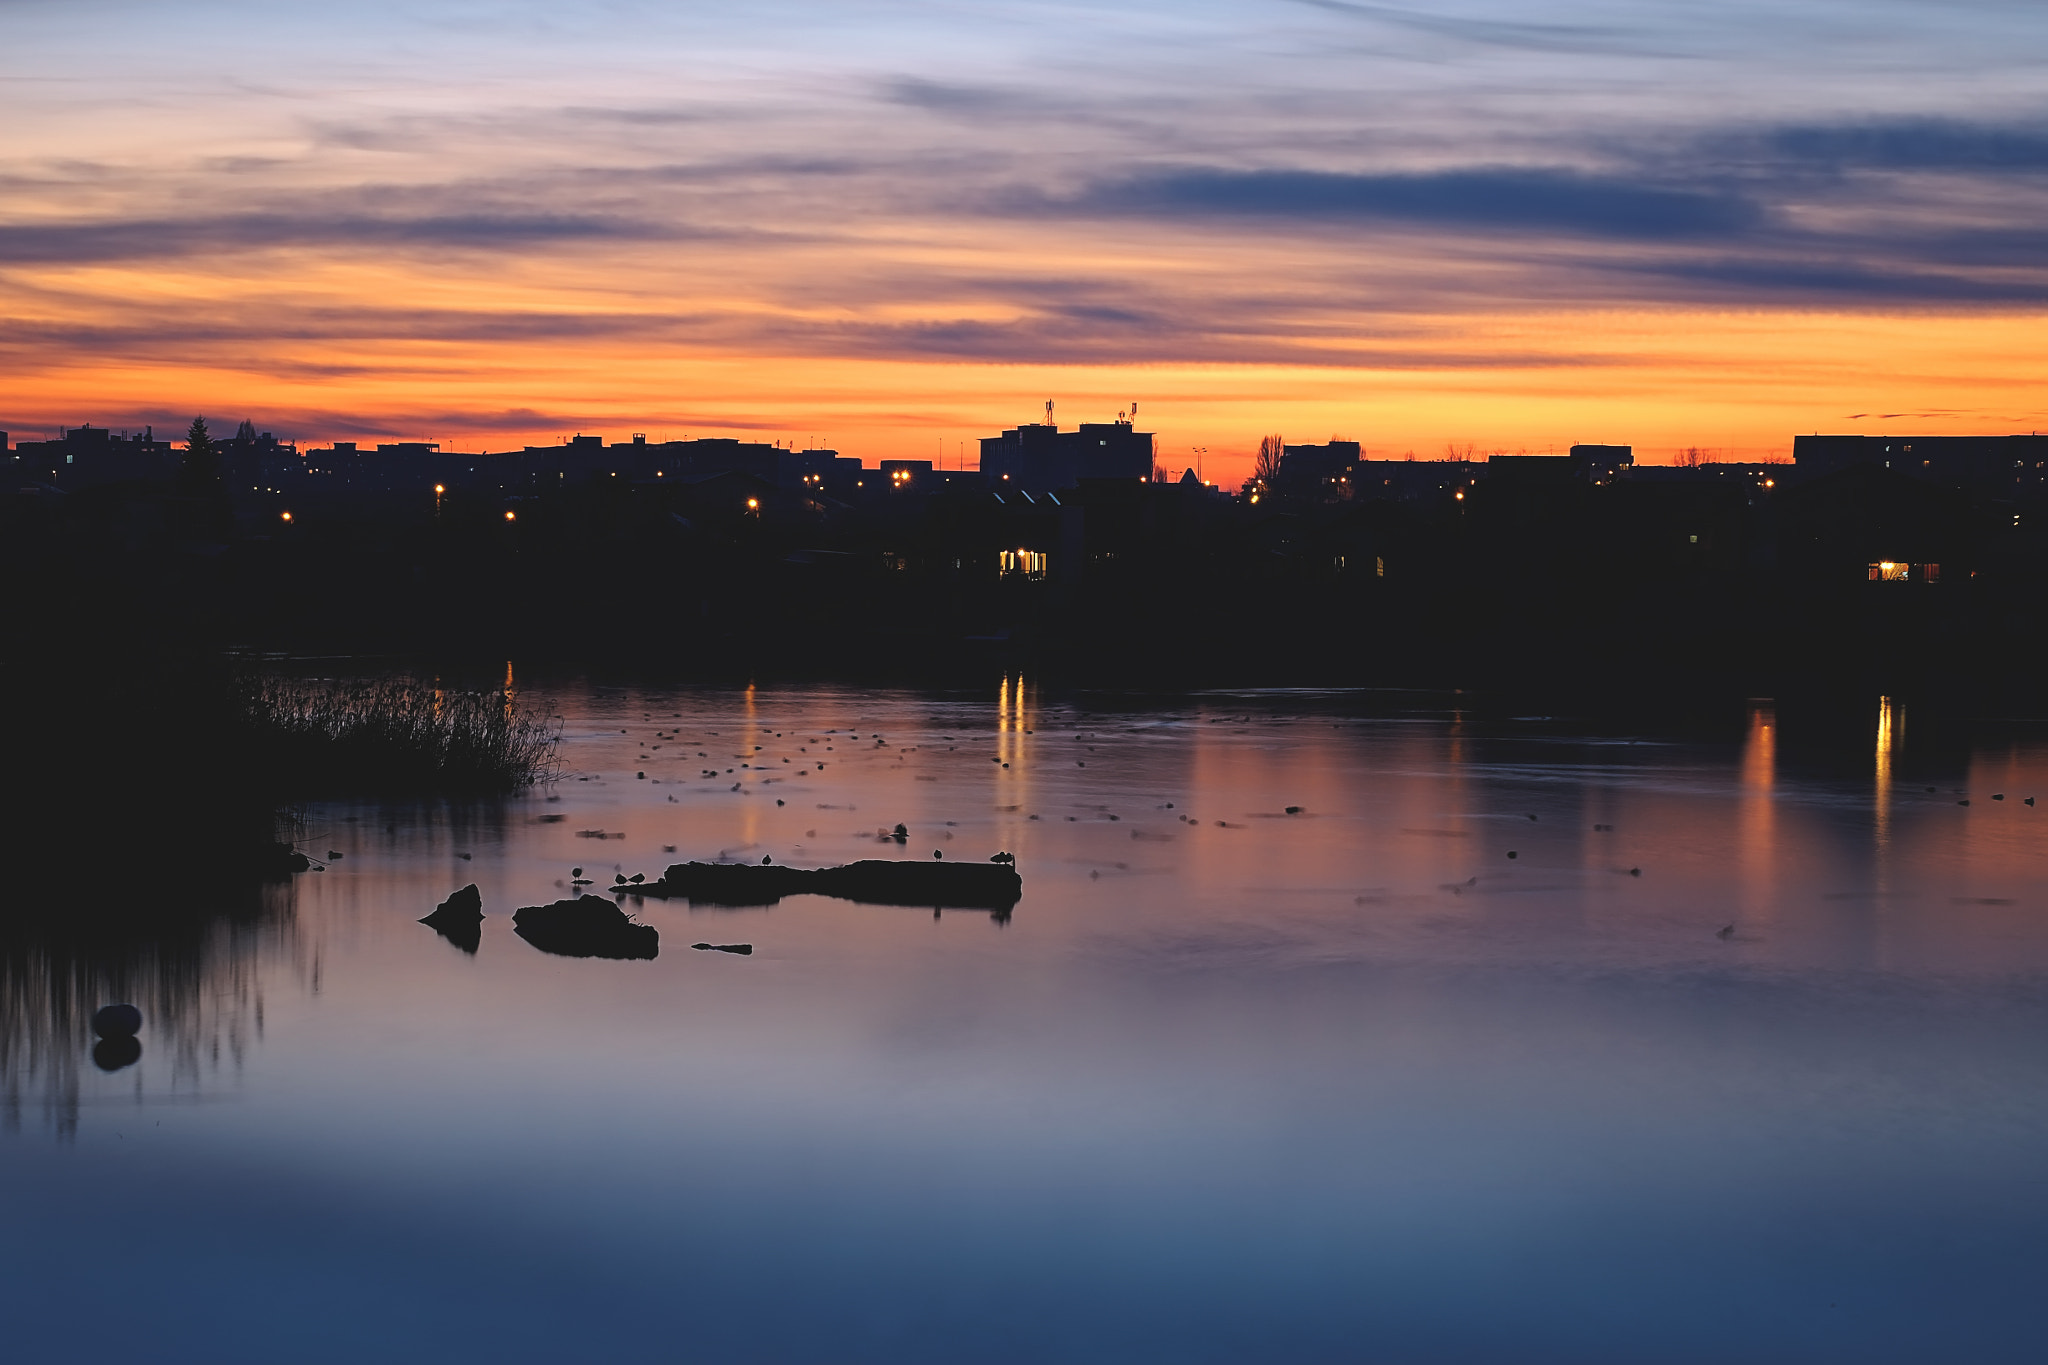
column 1317, row 471
column 1040, row 457
column 1997, row 466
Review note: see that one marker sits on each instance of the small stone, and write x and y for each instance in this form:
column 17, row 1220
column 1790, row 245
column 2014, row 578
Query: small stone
column 117, row 1021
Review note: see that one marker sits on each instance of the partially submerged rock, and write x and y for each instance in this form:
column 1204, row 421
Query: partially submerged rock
column 111, row 1054
column 989, row 886
column 279, row 861
column 117, row 1021
column 743, row 949
column 588, row 926
column 459, row 919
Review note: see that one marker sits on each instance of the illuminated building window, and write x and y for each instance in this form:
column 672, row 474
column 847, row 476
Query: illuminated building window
column 1930, row 573
column 1899, row 571
column 1029, row 563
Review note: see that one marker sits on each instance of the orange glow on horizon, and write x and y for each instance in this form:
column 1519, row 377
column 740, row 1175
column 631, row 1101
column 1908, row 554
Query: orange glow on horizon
column 1735, row 385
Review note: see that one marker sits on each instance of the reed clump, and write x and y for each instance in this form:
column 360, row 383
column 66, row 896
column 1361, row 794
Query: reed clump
column 394, row 737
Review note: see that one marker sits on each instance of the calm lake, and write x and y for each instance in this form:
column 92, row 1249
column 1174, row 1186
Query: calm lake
column 1509, row 1044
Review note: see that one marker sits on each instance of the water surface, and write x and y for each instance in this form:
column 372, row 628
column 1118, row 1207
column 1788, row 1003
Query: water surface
column 1509, row 1044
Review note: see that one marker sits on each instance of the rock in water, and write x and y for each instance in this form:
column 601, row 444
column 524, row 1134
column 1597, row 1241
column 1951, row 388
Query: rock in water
column 117, row 1021
column 588, row 926
column 111, row 1054
column 459, row 918
column 994, row 886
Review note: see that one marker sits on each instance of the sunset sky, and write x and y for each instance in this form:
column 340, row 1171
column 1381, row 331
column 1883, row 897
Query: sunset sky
column 895, row 227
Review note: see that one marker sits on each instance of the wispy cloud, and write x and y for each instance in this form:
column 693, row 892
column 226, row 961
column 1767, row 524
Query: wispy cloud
column 1487, row 198
column 1326, row 184
column 82, row 242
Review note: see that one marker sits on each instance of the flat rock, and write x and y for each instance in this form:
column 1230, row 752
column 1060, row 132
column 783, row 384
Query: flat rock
column 990, row 886
column 588, row 926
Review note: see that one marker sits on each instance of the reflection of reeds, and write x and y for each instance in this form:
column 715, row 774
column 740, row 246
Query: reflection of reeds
column 195, row 978
column 393, row 737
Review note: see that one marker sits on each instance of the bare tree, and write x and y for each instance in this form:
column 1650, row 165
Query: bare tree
column 1690, row 458
column 1266, row 468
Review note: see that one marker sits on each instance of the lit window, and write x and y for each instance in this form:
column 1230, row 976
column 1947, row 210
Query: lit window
column 1889, row 571
column 1930, row 573
column 1029, row 563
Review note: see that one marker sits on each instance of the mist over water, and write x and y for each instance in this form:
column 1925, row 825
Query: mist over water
column 1738, row 1056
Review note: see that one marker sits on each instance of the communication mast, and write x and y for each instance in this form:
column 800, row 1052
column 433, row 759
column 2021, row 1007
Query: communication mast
column 1048, row 412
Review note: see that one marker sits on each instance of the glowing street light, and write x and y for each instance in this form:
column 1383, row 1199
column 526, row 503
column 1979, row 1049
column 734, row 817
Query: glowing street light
column 511, row 515
column 287, row 516
column 439, row 489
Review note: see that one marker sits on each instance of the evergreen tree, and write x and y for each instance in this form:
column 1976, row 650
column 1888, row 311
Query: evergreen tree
column 199, row 469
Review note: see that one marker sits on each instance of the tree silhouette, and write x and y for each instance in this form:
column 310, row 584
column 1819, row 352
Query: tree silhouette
column 199, row 468
column 1266, row 466
column 1272, row 450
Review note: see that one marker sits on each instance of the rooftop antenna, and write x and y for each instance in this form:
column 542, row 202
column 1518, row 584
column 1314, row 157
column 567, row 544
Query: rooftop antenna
column 1048, row 412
